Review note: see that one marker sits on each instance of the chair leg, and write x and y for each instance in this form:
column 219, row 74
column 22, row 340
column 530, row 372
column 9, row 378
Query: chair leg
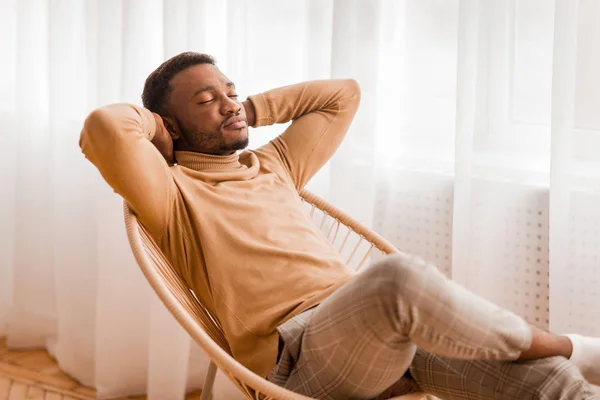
column 209, row 381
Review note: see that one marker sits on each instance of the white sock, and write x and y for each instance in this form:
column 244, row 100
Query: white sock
column 586, row 356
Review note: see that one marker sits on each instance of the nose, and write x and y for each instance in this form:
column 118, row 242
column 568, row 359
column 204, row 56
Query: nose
column 230, row 106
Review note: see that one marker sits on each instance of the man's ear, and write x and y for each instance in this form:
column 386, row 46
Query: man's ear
column 172, row 127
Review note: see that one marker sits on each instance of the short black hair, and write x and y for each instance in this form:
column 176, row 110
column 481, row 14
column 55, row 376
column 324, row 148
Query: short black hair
column 157, row 89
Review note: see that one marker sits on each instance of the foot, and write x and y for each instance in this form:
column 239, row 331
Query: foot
column 586, row 356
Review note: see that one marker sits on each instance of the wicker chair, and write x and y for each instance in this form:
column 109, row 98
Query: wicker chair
column 353, row 240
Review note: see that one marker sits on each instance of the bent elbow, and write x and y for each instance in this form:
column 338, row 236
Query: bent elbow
column 352, row 92
column 353, row 87
column 98, row 130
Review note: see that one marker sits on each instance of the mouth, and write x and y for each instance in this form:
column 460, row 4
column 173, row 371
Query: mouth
column 235, row 123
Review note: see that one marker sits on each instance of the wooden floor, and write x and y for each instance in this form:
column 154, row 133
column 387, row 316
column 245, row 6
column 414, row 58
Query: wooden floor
column 34, row 375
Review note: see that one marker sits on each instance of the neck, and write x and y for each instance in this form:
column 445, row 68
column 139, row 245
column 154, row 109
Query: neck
column 180, row 145
column 207, row 162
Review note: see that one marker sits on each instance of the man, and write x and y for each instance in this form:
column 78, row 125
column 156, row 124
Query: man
column 234, row 227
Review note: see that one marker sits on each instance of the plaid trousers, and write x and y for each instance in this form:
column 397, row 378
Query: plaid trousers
column 403, row 319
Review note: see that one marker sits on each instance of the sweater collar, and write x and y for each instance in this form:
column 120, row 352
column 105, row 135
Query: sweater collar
column 207, row 162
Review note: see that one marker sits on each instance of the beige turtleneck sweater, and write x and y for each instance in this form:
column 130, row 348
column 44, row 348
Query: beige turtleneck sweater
column 234, row 226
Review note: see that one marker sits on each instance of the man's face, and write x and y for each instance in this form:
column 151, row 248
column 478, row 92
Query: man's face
column 204, row 106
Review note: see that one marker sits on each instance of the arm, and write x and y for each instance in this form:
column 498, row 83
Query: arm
column 321, row 112
column 117, row 140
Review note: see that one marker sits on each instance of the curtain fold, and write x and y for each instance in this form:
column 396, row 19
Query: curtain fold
column 575, row 179
column 475, row 147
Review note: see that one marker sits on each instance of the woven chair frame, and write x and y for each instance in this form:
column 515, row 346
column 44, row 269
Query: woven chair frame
column 352, row 238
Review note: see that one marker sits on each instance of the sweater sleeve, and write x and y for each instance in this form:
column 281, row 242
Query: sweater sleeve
column 321, row 112
column 116, row 139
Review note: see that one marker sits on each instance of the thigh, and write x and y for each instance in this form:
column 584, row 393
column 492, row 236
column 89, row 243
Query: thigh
column 453, row 379
column 350, row 348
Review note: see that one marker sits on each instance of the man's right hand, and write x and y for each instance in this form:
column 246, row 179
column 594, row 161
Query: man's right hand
column 162, row 140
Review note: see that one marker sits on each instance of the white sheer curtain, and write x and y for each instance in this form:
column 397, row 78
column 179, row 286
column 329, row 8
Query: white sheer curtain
column 475, row 147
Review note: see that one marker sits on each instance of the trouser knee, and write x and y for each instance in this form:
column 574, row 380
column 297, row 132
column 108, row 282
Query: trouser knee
column 396, row 278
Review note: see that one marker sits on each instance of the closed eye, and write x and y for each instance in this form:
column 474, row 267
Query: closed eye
column 206, row 102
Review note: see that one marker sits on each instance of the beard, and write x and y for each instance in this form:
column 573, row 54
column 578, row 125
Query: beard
column 210, row 141
column 240, row 144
